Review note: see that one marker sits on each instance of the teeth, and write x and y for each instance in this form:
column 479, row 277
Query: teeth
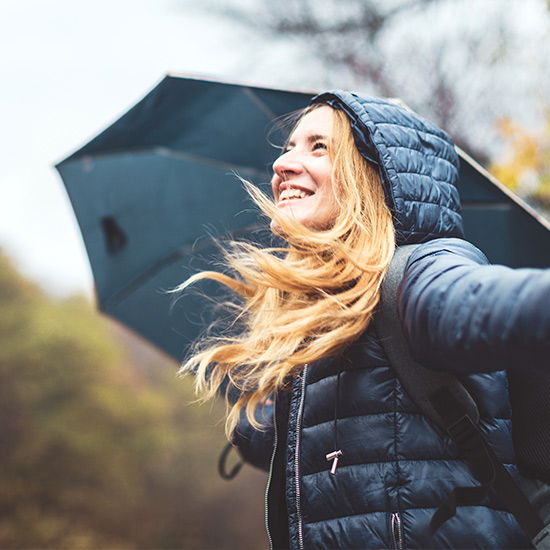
column 292, row 194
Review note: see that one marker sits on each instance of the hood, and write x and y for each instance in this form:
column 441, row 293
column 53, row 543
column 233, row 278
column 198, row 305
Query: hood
column 417, row 162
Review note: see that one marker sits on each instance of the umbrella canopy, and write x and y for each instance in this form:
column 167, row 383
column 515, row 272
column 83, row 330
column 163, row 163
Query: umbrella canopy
column 152, row 191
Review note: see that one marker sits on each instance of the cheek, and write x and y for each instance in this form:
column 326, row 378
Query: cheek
column 324, row 177
column 273, row 187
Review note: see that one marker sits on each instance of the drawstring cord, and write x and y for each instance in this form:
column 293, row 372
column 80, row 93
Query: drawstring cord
column 337, row 453
column 336, row 404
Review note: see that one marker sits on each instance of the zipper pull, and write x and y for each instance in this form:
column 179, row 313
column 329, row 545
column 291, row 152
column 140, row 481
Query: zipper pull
column 334, row 456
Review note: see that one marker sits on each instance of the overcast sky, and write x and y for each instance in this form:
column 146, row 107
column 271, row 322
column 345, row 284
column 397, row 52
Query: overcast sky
column 69, row 68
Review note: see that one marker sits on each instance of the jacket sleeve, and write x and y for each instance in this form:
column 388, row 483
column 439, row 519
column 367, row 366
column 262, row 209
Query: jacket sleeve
column 256, row 446
column 461, row 314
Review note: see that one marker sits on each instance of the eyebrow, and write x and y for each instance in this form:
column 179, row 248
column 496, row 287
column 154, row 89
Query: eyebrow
column 312, row 139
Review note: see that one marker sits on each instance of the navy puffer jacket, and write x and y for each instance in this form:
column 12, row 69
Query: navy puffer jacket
column 459, row 314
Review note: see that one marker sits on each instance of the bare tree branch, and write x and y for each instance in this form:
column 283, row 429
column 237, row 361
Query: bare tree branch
column 400, row 48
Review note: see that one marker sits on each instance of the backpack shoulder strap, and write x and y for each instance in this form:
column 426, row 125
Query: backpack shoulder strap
column 419, row 382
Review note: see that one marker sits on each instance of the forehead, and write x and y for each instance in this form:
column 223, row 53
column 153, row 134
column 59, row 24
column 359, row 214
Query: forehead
column 316, row 122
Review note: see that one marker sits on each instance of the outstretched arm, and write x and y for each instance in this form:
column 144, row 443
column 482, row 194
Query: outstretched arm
column 461, row 314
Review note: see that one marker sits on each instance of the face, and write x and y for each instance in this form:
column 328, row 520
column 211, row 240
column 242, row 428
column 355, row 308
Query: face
column 302, row 183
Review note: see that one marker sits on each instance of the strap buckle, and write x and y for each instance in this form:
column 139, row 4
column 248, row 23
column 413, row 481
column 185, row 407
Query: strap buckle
column 465, row 433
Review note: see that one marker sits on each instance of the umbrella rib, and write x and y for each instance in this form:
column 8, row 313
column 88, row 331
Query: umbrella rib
column 165, row 151
column 253, row 96
column 181, row 252
column 259, row 103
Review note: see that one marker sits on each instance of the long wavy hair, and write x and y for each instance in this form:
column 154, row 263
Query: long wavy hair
column 304, row 301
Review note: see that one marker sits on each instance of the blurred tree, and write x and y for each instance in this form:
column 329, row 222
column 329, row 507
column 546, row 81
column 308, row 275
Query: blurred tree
column 461, row 63
column 97, row 452
column 525, row 165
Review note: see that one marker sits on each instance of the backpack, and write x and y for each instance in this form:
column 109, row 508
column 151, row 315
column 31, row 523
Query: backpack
column 447, row 403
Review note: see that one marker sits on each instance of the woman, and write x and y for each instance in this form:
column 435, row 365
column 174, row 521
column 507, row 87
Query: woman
column 353, row 463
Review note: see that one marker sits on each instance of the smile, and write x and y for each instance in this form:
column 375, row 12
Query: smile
column 292, row 193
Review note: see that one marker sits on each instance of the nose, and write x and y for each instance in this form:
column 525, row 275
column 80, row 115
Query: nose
column 287, row 165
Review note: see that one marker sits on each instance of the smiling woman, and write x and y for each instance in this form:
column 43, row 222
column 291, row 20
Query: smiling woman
column 302, row 178
column 315, row 400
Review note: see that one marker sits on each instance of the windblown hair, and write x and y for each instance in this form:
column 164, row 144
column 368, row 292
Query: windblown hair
column 307, row 300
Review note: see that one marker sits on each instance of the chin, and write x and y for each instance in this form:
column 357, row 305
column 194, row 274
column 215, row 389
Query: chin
column 309, row 219
column 276, row 229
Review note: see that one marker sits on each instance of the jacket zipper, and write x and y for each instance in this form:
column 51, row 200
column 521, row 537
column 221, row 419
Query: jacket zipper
column 397, row 531
column 297, row 460
column 275, row 438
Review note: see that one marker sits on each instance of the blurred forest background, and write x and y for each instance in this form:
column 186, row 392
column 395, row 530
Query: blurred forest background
column 101, row 444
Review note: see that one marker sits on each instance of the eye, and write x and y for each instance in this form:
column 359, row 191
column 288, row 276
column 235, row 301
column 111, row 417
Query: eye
column 319, row 146
column 287, row 148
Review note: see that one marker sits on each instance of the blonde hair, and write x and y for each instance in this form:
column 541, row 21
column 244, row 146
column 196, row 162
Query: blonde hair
column 307, row 303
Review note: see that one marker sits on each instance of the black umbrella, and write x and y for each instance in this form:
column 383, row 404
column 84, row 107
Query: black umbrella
column 152, row 190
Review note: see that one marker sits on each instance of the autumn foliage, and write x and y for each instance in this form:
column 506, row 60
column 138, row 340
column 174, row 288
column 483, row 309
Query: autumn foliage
column 524, row 166
column 101, row 445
